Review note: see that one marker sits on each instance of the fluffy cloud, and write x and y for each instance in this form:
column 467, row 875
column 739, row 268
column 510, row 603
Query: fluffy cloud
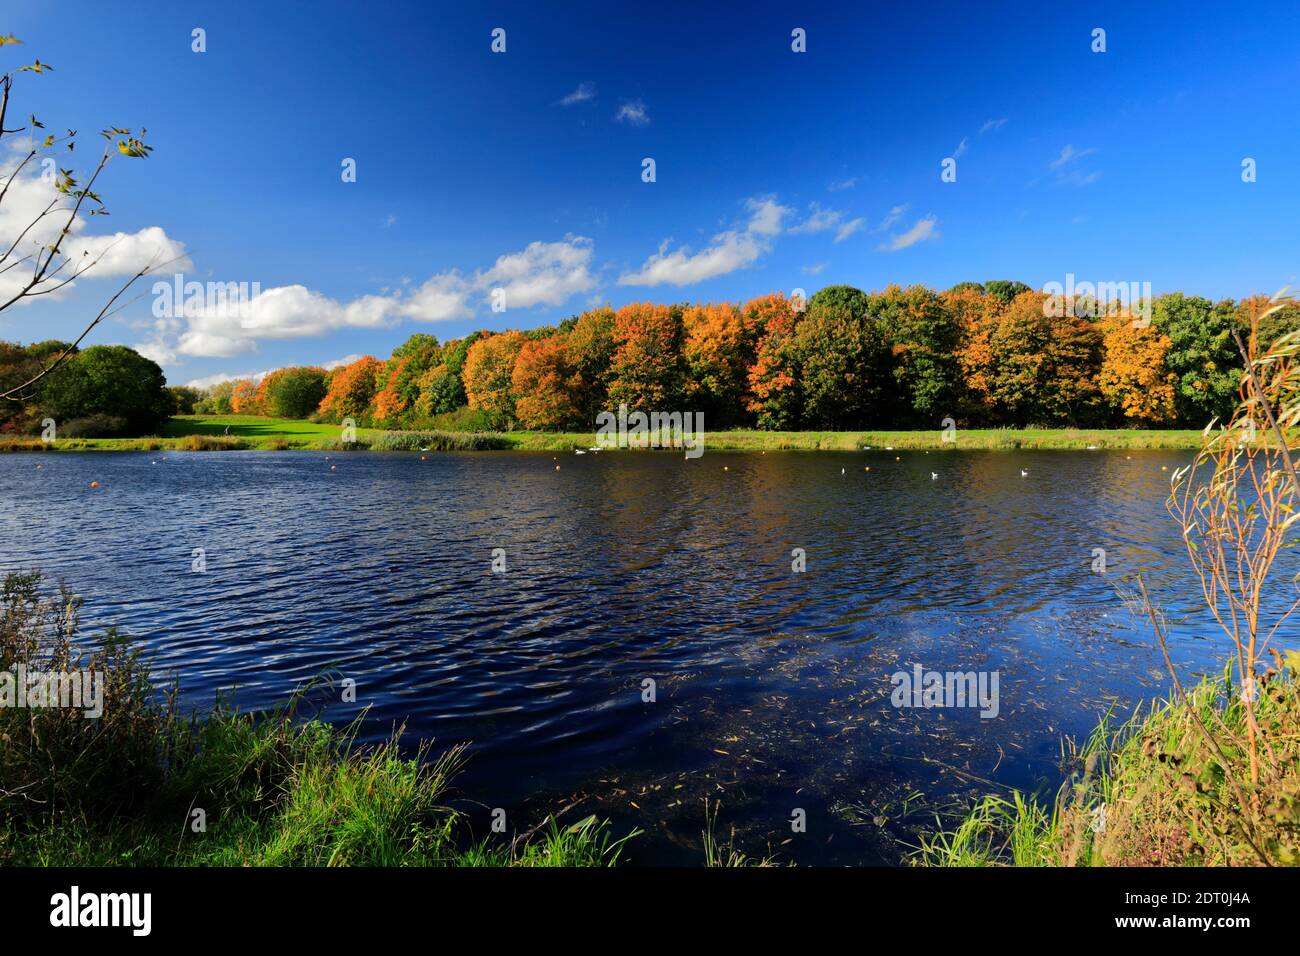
column 632, row 112
column 923, row 229
column 113, row 256
column 584, row 92
column 544, row 273
column 728, row 251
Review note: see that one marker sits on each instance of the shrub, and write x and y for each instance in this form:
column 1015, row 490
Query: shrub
column 95, row 426
column 441, row 441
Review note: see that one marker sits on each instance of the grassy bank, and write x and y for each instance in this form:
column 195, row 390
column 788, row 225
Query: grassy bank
column 1155, row 792
column 247, row 432
column 145, row 786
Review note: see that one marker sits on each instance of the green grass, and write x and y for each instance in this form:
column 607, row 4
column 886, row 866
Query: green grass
column 1153, row 792
column 249, row 432
column 132, row 787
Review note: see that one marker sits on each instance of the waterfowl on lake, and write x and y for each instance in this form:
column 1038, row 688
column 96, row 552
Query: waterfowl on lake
column 1023, row 473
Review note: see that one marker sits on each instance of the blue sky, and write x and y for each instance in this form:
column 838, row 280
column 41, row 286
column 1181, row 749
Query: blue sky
column 775, row 170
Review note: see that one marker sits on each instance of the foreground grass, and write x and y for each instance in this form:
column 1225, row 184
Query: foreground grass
column 144, row 786
column 1154, row 792
column 248, row 432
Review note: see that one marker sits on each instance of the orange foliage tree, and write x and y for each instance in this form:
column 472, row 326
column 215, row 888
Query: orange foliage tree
column 1134, row 380
column 488, row 373
column 351, row 390
column 772, row 378
column 719, row 346
column 546, row 386
column 977, row 316
column 646, row 370
column 244, row 398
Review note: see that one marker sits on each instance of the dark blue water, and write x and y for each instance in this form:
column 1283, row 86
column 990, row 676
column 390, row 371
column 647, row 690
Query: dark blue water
column 772, row 686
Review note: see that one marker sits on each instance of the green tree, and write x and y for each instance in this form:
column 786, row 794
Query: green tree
column 1005, row 290
column 184, row 398
column 1201, row 354
column 842, row 356
column 295, row 392
column 112, row 381
column 924, row 337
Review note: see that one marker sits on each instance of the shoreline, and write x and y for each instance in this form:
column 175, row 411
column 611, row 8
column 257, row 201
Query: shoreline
column 251, row 434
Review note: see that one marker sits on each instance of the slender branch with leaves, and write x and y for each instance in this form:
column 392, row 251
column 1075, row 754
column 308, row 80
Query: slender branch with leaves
column 39, row 248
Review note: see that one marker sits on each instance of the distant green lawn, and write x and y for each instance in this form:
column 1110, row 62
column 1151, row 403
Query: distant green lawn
column 257, row 428
column 208, row 432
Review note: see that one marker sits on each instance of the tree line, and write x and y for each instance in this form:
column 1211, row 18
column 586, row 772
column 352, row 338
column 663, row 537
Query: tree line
column 985, row 354
column 988, row 354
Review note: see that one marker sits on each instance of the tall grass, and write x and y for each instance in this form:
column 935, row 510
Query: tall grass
column 1153, row 792
column 440, row 441
column 144, row 785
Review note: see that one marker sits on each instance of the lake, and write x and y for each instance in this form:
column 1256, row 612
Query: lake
column 772, row 687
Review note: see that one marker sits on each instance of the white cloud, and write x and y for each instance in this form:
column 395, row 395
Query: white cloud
column 840, row 185
column 895, row 214
column 961, row 148
column 849, row 228
column 584, row 92
column 340, row 362
column 1067, row 169
column 438, row 299
column 210, row 380
column 923, row 230
column 993, row 125
column 728, row 251
column 819, row 220
column 543, row 273
column 632, row 112
column 119, row 255
column 815, row 269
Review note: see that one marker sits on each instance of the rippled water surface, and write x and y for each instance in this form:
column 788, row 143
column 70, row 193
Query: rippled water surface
column 772, row 686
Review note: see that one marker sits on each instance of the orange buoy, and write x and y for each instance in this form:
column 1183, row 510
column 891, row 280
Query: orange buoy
column 557, row 467
column 94, row 484
column 334, row 467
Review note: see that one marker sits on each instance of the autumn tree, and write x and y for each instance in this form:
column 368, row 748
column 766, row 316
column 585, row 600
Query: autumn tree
column 547, row 386
column 773, row 383
column 489, row 372
column 976, row 315
column 719, row 345
column 244, row 399
column 591, row 352
column 646, row 371
column 1134, row 380
column 1044, row 368
column 442, row 386
column 350, row 389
